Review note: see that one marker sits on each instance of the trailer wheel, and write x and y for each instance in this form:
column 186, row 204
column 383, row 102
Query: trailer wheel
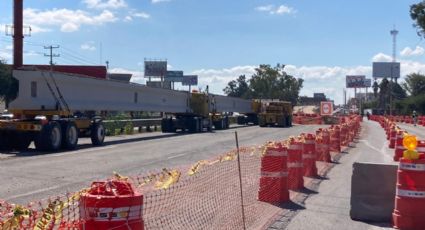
column 21, row 141
column 49, row 138
column 69, row 135
column 97, row 134
column 4, row 141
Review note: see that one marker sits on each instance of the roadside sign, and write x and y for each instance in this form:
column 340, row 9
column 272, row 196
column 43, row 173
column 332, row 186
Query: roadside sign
column 355, row 81
column 368, row 83
column 326, row 108
column 386, row 69
column 155, row 68
column 190, row 80
column 174, row 76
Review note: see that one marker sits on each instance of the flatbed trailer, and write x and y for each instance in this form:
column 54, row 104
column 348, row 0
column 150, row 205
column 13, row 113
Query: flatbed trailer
column 52, row 109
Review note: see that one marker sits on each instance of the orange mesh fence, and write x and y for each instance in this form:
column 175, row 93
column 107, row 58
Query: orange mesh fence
column 205, row 195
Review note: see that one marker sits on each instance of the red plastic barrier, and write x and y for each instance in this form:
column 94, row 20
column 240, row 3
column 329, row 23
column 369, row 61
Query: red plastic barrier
column 322, row 145
column 295, row 165
column 409, row 212
column 111, row 205
column 309, row 155
column 274, row 175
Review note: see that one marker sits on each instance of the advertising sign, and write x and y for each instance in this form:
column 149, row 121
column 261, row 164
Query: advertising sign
column 174, row 76
column 190, row 80
column 355, row 81
column 326, row 108
column 386, row 69
column 368, row 83
column 155, row 68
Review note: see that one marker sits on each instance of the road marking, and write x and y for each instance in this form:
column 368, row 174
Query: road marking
column 93, row 149
column 33, row 192
column 382, row 151
column 178, row 155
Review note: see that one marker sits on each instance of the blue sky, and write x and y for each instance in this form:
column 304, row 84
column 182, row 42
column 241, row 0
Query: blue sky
column 320, row 41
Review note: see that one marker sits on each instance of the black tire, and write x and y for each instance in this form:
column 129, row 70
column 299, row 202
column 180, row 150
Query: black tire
column 97, row 134
column 164, row 125
column 193, row 125
column 5, row 142
column 69, row 135
column 49, row 138
column 21, row 141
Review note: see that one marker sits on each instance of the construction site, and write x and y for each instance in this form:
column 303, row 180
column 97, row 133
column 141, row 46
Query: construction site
column 82, row 147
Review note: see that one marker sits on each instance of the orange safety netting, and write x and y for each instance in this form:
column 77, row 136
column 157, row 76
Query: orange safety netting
column 205, row 195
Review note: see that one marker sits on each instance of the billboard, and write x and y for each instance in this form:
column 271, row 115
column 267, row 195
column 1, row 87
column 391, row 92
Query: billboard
column 190, row 80
column 174, row 76
column 326, row 108
column 355, row 81
column 386, row 69
column 367, row 83
column 155, row 68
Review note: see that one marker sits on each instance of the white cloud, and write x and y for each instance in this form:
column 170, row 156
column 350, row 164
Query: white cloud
column 67, row 20
column 88, row 46
column 108, row 4
column 407, row 51
column 380, row 57
column 159, row 1
column 272, row 9
column 135, row 14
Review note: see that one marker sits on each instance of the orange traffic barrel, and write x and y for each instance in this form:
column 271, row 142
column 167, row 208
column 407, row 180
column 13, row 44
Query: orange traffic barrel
column 113, row 204
column 399, row 147
column 274, row 174
column 309, row 155
column 409, row 211
column 335, row 139
column 393, row 137
column 295, row 165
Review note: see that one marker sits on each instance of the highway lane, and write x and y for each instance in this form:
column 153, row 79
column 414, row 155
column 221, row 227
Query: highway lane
column 30, row 175
column 419, row 131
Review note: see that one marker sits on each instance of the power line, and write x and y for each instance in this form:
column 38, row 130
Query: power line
column 51, row 55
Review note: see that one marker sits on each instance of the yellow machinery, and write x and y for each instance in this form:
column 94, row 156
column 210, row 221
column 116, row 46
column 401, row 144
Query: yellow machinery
column 276, row 114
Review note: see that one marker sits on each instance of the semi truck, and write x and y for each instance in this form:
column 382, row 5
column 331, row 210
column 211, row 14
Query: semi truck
column 51, row 109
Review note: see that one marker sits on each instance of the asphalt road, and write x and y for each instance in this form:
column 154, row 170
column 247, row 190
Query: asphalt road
column 328, row 207
column 31, row 176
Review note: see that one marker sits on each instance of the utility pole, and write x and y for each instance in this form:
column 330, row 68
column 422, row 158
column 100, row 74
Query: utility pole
column 51, row 55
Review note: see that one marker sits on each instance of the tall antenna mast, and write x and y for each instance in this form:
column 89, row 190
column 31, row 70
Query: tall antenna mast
column 394, row 33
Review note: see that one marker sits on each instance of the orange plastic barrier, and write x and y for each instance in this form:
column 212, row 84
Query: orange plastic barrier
column 322, row 145
column 335, row 139
column 399, row 148
column 309, row 155
column 274, row 174
column 409, row 212
column 111, row 204
column 392, row 137
column 295, row 165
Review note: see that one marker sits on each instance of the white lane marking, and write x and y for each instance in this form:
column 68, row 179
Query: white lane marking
column 33, row 192
column 178, row 155
column 92, row 149
column 382, row 151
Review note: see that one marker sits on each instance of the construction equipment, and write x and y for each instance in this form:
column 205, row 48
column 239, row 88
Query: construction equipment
column 277, row 113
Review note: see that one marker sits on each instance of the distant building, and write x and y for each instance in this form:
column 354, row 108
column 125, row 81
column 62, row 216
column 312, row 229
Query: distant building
column 315, row 100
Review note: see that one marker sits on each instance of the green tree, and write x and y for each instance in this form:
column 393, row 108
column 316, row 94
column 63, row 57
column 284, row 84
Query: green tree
column 417, row 13
column 238, row 88
column 415, row 84
column 8, row 85
column 274, row 83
